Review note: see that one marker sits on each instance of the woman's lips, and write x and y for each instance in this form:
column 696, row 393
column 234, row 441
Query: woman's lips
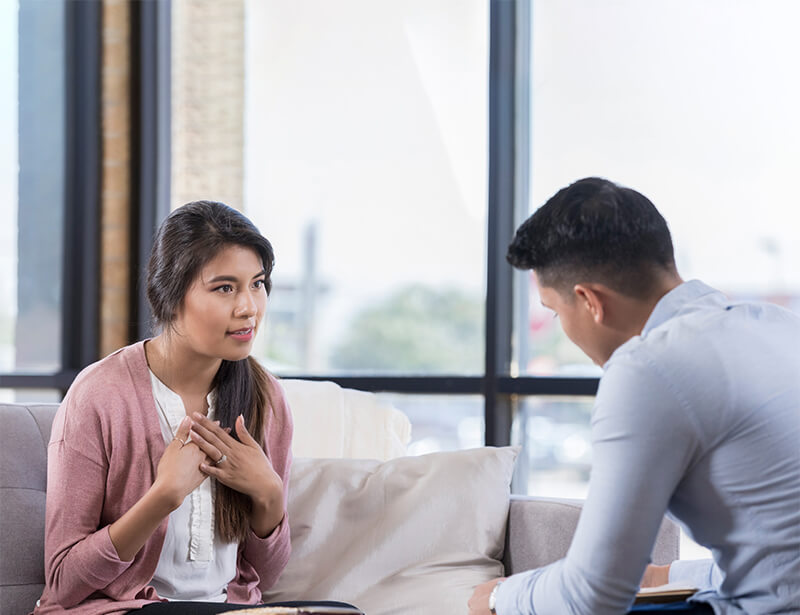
column 242, row 335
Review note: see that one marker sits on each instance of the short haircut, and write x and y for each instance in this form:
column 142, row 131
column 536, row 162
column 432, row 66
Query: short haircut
column 595, row 231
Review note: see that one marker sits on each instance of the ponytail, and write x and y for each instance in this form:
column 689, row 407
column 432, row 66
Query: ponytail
column 241, row 388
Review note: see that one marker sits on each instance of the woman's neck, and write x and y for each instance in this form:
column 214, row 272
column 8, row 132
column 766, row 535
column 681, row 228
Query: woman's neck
column 182, row 370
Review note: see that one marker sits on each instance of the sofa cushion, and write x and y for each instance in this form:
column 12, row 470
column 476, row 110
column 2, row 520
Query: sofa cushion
column 335, row 422
column 409, row 536
column 23, row 480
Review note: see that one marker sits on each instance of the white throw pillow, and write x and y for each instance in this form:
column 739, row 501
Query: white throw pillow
column 330, row 421
column 410, row 536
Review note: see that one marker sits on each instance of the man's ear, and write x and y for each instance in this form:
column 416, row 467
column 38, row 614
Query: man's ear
column 592, row 299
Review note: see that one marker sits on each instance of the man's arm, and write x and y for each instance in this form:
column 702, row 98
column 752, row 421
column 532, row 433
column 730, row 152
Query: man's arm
column 643, row 442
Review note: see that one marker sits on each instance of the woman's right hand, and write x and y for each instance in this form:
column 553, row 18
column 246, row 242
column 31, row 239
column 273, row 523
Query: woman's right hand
column 178, row 472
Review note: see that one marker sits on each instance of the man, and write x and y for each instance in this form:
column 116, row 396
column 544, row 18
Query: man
column 697, row 413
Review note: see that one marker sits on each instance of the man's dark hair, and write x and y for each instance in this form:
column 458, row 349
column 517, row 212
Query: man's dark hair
column 595, row 231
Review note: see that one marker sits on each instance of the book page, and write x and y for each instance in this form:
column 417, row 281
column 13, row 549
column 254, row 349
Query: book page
column 671, row 592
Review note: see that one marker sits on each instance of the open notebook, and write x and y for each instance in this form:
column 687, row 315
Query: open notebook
column 671, row 592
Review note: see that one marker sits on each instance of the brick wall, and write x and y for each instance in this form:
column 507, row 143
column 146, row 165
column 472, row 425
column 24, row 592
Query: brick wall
column 207, row 101
column 116, row 183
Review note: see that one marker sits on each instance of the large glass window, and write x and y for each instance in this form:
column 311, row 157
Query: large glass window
column 556, row 454
column 441, row 422
column 8, row 182
column 32, row 109
column 691, row 103
column 365, row 163
column 362, row 156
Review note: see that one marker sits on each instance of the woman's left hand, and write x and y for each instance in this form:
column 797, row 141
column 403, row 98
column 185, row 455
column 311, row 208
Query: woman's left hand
column 244, row 468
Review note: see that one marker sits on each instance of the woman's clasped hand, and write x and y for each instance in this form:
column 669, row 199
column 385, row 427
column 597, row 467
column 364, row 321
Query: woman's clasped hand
column 243, row 466
column 179, row 470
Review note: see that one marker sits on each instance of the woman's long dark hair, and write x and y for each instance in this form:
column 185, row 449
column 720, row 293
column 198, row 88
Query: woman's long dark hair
column 188, row 239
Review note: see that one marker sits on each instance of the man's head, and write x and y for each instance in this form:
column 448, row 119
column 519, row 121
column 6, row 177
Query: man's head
column 606, row 247
column 594, row 230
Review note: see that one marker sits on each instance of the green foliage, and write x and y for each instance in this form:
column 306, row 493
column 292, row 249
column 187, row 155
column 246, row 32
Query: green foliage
column 417, row 329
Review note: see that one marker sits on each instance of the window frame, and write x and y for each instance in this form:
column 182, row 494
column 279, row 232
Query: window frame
column 508, row 190
column 80, row 263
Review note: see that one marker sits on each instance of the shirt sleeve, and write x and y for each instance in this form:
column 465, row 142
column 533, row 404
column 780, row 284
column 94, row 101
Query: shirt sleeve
column 702, row 573
column 643, row 440
column 80, row 559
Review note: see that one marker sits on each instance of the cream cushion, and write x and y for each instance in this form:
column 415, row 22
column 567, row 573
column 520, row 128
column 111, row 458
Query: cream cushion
column 333, row 422
column 410, row 536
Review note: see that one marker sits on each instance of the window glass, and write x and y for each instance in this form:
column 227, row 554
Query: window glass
column 556, row 455
column 365, row 163
column 31, row 184
column 354, row 135
column 8, row 182
column 441, row 422
column 694, row 105
column 34, row 396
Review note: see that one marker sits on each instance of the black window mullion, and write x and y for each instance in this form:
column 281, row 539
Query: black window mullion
column 151, row 143
column 502, row 139
column 80, row 276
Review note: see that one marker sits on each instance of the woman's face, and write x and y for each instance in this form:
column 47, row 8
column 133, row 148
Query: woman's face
column 224, row 306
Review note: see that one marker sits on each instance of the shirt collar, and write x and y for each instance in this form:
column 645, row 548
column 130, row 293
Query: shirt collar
column 172, row 405
column 672, row 303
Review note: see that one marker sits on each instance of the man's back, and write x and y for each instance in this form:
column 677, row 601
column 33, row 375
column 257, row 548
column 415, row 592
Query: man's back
column 697, row 412
column 734, row 368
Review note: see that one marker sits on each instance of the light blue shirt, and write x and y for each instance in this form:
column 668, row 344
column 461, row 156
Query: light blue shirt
column 699, row 415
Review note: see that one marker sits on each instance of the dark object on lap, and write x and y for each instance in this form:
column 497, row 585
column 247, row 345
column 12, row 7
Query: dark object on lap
column 693, row 608
column 212, row 608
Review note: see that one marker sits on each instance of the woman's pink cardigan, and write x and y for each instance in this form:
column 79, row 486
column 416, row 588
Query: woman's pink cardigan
column 102, row 458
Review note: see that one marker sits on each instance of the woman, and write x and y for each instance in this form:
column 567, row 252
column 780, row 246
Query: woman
column 169, row 459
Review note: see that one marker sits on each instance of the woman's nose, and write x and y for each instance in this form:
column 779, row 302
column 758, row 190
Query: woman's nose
column 245, row 305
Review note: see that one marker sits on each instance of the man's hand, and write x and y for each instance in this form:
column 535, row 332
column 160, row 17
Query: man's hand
column 655, row 576
column 479, row 603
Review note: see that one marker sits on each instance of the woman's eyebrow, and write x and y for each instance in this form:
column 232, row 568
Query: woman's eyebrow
column 231, row 278
column 221, row 278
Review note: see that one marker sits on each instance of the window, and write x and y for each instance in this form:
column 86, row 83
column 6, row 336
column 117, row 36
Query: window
column 692, row 104
column 32, row 142
column 363, row 139
column 48, row 146
column 361, row 154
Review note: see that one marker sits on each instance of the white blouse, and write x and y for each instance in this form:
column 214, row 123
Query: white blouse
column 194, row 563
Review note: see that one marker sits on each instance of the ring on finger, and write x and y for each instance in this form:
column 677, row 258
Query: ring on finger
column 221, row 459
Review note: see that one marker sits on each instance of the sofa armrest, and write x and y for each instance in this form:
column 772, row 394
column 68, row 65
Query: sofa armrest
column 540, row 531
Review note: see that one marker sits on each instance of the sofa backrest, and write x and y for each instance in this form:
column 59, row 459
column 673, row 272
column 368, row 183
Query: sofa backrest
column 539, row 530
column 24, row 434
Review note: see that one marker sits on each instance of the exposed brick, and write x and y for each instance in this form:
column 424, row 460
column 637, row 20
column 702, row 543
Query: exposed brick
column 116, row 188
column 207, row 100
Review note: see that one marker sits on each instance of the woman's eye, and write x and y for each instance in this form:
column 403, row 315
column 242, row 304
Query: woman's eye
column 259, row 283
column 225, row 288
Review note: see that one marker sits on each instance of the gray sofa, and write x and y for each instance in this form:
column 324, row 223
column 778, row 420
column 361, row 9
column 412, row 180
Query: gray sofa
column 23, row 480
